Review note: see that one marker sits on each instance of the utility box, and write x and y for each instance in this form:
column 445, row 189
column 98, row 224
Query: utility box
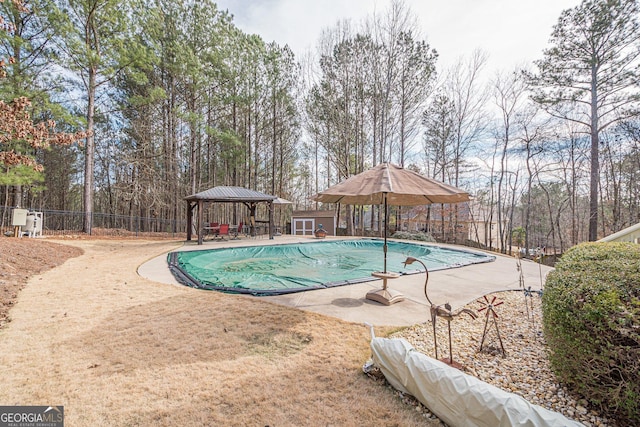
column 33, row 226
column 19, row 217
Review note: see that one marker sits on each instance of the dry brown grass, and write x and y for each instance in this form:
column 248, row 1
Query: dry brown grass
column 117, row 349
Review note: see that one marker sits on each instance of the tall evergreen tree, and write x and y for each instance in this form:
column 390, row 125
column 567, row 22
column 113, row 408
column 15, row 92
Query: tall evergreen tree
column 593, row 66
column 416, row 63
column 26, row 41
column 98, row 43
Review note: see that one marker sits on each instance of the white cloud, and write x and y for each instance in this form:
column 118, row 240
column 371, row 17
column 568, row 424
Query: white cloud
column 512, row 32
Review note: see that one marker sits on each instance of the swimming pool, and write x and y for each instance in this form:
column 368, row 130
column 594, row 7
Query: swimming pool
column 287, row 268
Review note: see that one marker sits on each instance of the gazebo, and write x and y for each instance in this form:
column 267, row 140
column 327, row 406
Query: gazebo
column 224, row 194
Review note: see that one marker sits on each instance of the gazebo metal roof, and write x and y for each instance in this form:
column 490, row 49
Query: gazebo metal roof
column 230, row 194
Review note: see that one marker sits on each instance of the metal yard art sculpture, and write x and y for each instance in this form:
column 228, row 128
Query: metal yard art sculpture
column 528, row 292
column 443, row 311
column 528, row 303
column 491, row 315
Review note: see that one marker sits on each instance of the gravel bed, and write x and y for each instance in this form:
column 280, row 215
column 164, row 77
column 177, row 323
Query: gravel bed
column 523, row 370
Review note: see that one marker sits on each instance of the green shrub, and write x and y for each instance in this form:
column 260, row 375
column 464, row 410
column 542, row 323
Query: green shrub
column 416, row 235
column 591, row 315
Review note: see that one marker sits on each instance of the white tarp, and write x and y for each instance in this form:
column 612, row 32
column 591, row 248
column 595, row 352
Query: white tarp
column 456, row 398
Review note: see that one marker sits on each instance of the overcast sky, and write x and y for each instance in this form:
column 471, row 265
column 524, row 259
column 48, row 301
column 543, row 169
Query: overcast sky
column 512, row 32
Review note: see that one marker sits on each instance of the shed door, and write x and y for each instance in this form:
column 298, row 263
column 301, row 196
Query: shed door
column 303, row 226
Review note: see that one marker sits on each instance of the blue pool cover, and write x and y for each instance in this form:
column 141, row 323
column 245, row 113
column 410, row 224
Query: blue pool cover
column 287, row 268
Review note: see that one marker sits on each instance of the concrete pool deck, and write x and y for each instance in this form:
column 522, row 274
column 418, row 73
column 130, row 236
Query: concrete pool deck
column 458, row 286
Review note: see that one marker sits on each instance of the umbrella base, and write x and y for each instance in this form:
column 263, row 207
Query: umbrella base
column 385, row 296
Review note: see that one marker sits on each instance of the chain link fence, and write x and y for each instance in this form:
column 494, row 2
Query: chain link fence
column 63, row 223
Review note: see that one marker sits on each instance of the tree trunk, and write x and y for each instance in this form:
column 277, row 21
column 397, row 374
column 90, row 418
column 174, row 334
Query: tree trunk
column 89, row 153
column 595, row 166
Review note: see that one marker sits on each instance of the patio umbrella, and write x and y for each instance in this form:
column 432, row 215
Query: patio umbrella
column 388, row 184
column 279, row 201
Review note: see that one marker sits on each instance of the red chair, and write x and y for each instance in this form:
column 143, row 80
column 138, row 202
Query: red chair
column 239, row 229
column 224, row 230
column 213, row 229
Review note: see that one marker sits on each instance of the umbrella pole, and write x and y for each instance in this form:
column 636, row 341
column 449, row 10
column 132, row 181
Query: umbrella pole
column 385, row 296
column 385, row 232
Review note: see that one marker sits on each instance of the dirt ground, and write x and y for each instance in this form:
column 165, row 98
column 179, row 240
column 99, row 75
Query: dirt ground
column 116, row 349
column 23, row 258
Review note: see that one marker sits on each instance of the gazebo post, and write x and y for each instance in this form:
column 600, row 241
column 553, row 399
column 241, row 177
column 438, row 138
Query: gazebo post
column 200, row 219
column 189, row 219
column 252, row 219
column 270, row 220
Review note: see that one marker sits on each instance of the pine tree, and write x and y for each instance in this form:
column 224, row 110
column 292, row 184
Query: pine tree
column 590, row 74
